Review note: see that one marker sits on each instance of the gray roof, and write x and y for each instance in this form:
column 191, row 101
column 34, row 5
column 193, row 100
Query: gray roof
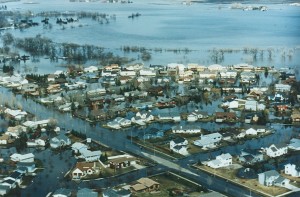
column 271, row 173
column 85, row 192
column 116, row 193
column 63, row 191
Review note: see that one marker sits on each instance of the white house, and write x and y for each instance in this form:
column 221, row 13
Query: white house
column 142, row 117
column 228, row 74
column 90, row 156
column 251, row 105
column 16, row 114
column 294, row 144
column 216, row 67
column 78, row 146
column 4, row 189
column 179, row 145
column 60, row 141
column 195, row 115
column 250, row 156
column 276, row 151
column 62, row 192
column 127, row 73
column 282, row 87
column 207, row 75
column 90, row 69
column 178, row 141
column 185, row 129
column 222, row 160
column 4, row 139
column 119, row 122
column 209, row 140
column 169, row 116
column 271, row 178
column 147, row 72
column 22, row 158
column 251, row 131
column 292, row 169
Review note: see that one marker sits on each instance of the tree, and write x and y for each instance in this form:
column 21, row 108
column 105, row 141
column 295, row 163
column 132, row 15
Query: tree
column 20, row 143
column 7, row 39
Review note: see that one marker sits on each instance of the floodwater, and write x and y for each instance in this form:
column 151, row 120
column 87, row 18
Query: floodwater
column 200, row 27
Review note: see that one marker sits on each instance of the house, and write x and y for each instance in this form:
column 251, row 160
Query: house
column 282, row 88
column 35, row 124
column 294, row 144
column 243, row 67
column 178, row 141
column 195, row 115
column 131, row 73
column 9, row 183
column 142, row 117
column 62, row 192
column 169, row 116
column 292, row 169
column 90, row 69
column 78, row 146
column 151, row 134
column 196, row 67
column 295, row 116
column 5, row 139
column 119, row 122
column 15, row 131
column 216, row 67
column 248, row 77
column 276, row 150
column 209, row 140
column 180, row 149
column 16, row 114
column 83, row 169
column 225, row 116
column 222, row 160
column 251, row 105
column 90, row 156
column 145, row 185
column 59, row 141
column 116, row 193
column 4, row 189
column 121, row 161
column 85, row 192
column 228, row 74
column 179, row 145
column 42, row 141
column 250, row 156
column 185, row 129
column 16, row 176
column 22, row 158
column 251, row 131
column 30, row 166
column 147, row 72
column 207, row 75
column 272, row 178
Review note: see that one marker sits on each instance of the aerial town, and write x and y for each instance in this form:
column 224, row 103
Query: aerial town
column 121, row 129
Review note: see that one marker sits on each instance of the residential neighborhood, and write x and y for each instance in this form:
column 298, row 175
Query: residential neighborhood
column 121, row 98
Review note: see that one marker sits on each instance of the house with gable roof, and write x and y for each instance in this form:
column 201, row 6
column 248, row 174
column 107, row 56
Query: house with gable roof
column 179, row 145
column 145, row 185
column 276, row 150
column 83, row 169
column 292, row 169
column 60, row 141
column 222, row 160
column 294, row 144
column 272, row 178
column 86, row 192
column 209, row 140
